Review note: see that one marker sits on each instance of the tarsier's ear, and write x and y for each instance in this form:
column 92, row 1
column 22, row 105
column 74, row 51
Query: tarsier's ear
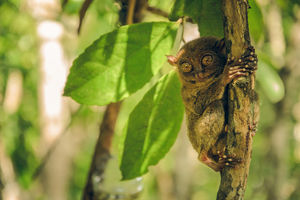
column 172, row 60
column 221, row 46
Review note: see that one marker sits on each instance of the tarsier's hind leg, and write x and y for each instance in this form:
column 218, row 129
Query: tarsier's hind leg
column 204, row 132
column 216, row 157
column 211, row 137
column 210, row 162
column 219, row 161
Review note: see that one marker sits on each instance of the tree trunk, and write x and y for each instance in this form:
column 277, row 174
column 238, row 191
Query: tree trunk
column 241, row 108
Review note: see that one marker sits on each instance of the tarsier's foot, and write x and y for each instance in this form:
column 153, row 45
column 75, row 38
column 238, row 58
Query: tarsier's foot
column 249, row 59
column 227, row 160
column 222, row 161
column 244, row 66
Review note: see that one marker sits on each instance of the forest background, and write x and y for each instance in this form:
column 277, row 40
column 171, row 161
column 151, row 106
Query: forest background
column 39, row 41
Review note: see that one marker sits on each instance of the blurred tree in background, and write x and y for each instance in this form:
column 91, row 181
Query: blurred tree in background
column 39, row 41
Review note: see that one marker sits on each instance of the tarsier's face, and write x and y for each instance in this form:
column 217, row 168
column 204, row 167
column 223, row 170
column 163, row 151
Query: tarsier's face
column 201, row 59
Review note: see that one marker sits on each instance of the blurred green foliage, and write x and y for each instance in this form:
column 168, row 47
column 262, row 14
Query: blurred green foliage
column 18, row 49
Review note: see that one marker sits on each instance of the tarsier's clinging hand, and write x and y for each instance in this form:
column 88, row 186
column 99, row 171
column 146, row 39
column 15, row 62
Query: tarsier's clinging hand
column 204, row 72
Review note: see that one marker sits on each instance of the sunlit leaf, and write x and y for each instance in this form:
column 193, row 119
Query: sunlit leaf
column 206, row 13
column 120, row 62
column 152, row 127
column 270, row 82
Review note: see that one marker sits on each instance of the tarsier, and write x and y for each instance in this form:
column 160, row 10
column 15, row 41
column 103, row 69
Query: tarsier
column 205, row 72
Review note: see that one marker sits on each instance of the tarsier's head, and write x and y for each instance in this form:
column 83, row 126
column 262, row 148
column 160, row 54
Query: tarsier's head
column 200, row 60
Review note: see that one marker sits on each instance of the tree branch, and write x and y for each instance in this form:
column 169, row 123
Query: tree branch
column 84, row 7
column 102, row 149
column 241, row 103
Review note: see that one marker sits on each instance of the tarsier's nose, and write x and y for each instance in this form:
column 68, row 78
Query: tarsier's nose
column 200, row 75
column 200, row 70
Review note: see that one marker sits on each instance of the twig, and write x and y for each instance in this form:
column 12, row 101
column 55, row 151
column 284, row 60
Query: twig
column 157, row 11
column 102, row 149
column 86, row 4
column 130, row 11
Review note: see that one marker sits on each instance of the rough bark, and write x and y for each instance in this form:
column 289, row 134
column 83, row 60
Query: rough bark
column 240, row 103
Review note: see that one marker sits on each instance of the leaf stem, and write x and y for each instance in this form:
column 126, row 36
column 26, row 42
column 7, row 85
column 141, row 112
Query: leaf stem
column 157, row 11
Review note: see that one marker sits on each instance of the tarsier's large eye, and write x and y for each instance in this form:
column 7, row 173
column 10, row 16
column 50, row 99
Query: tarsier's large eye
column 207, row 60
column 186, row 67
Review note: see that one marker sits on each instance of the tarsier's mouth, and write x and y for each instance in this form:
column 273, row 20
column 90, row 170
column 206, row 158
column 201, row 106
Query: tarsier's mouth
column 200, row 77
column 203, row 76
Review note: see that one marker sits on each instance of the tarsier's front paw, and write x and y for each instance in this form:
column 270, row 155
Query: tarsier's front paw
column 244, row 66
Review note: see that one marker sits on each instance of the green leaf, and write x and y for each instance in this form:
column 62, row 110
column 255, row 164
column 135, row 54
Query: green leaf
column 152, row 127
column 120, row 62
column 206, row 13
column 270, row 82
column 255, row 19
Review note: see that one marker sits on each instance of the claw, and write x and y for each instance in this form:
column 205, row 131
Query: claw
column 244, row 66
